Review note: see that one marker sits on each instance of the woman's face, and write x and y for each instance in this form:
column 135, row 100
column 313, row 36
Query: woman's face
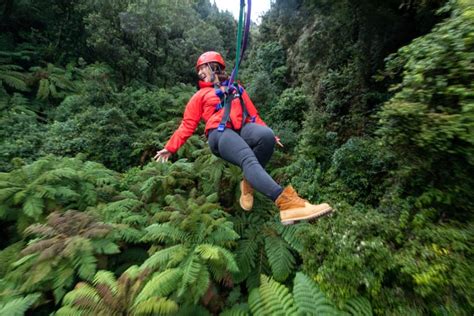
column 204, row 73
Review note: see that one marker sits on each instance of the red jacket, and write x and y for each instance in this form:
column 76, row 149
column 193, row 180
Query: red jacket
column 202, row 105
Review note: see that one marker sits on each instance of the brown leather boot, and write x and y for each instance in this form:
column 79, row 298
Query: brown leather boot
column 294, row 209
column 246, row 195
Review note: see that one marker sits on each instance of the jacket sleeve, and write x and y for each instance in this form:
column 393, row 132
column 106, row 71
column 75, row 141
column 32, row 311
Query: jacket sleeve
column 189, row 123
column 251, row 109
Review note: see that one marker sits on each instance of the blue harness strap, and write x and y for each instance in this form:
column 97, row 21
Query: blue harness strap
column 226, row 104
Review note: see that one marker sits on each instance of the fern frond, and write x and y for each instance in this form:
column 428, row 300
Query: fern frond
column 119, row 208
column 165, row 233
column 160, row 285
column 309, row 299
column 276, row 297
column 43, row 89
column 131, row 273
column 18, row 306
column 292, row 235
column 191, row 269
column 201, row 285
column 156, row 306
column 245, row 255
column 167, row 257
column 256, row 303
column 358, row 306
column 282, row 261
column 223, row 234
column 229, row 259
column 86, row 265
column 237, row 310
column 104, row 246
column 68, row 311
column 11, row 76
column 208, row 252
column 127, row 233
column 82, row 291
column 7, row 193
column 64, row 277
column 194, row 310
column 107, row 278
column 8, row 256
column 33, row 207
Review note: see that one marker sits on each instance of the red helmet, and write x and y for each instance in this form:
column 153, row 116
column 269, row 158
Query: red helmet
column 210, row 57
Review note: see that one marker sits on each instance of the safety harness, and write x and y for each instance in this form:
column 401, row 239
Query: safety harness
column 232, row 89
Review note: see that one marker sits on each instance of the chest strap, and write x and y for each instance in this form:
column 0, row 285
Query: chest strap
column 226, row 103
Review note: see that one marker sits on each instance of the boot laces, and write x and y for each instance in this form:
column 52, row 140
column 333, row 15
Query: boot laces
column 296, row 199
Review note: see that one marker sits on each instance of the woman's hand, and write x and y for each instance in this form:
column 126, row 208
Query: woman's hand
column 277, row 139
column 162, row 155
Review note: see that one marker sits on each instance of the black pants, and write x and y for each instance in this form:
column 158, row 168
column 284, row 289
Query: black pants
column 250, row 149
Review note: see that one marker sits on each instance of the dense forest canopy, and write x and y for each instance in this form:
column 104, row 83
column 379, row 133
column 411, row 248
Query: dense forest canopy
column 373, row 100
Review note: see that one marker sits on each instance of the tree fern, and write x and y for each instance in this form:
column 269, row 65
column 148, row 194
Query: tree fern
column 256, row 303
column 165, row 233
column 191, row 268
column 164, row 179
column 52, row 81
column 358, row 306
column 237, row 310
column 273, row 298
column 9, row 255
column 128, row 214
column 187, row 231
column 309, row 299
column 264, row 246
column 18, row 306
column 280, row 257
column 12, row 76
column 51, row 183
column 167, row 257
column 107, row 278
column 133, row 293
column 156, row 306
column 218, row 255
column 160, row 285
column 64, row 248
column 276, row 297
column 246, row 257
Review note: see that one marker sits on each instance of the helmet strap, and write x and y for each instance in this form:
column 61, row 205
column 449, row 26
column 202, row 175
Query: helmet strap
column 213, row 75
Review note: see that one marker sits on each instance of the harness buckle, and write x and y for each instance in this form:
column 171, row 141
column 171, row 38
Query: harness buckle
column 221, row 127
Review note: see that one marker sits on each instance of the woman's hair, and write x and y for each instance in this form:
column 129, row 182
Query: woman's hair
column 220, row 73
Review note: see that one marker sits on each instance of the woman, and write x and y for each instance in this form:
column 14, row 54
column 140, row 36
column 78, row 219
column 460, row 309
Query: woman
column 243, row 139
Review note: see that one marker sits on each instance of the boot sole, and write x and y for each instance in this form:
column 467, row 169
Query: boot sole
column 308, row 217
column 247, row 209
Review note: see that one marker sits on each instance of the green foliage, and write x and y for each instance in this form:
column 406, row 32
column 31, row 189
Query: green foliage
column 21, row 134
column 11, row 76
column 17, row 306
column 309, row 298
column 359, row 171
column 287, row 115
column 266, row 246
column 52, row 81
column 442, row 254
column 351, row 253
column 199, row 235
column 30, row 192
column 109, row 80
column 133, row 293
column 428, row 123
column 66, row 246
column 273, row 298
